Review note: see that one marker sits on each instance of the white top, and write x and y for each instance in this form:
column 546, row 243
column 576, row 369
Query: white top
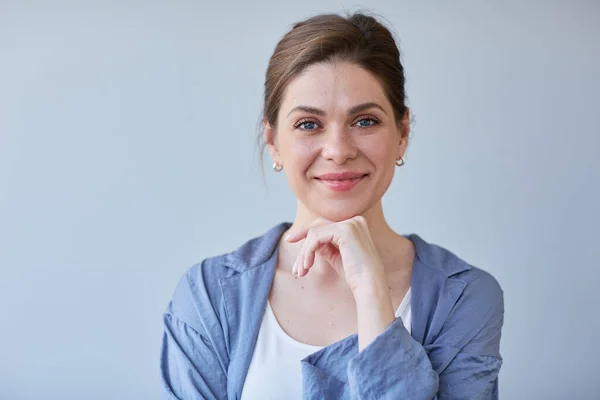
column 275, row 371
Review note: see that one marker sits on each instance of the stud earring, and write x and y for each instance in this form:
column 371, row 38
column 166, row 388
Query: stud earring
column 277, row 167
column 402, row 163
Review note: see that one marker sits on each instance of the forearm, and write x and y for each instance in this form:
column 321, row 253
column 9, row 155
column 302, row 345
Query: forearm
column 375, row 311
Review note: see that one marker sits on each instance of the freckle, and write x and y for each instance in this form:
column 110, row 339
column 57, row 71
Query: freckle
column 302, row 287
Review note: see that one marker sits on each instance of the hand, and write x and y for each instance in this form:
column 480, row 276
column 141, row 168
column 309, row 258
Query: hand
column 349, row 248
column 346, row 245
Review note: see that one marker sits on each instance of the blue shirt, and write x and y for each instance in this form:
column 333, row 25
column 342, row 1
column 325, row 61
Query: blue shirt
column 212, row 323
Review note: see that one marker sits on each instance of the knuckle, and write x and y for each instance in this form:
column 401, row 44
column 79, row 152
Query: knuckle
column 348, row 227
column 319, row 221
column 360, row 220
column 310, row 237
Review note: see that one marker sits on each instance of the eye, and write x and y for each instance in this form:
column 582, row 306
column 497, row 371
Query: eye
column 366, row 122
column 306, row 125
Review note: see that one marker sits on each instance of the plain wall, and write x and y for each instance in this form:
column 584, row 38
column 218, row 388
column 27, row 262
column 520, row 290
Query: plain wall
column 127, row 154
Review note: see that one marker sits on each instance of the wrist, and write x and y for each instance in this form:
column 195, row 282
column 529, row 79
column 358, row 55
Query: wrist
column 371, row 289
column 367, row 281
column 374, row 309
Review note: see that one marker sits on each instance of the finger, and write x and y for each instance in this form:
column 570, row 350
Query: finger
column 298, row 234
column 322, row 250
column 295, row 267
column 298, row 262
column 310, row 253
column 309, row 259
column 315, row 239
column 328, row 252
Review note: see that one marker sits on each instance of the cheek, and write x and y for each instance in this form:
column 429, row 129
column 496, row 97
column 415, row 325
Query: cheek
column 380, row 153
column 300, row 154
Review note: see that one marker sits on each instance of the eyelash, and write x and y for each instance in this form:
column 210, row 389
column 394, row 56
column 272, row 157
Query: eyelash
column 362, row 118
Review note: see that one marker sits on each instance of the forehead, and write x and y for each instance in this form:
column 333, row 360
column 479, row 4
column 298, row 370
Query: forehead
column 332, row 87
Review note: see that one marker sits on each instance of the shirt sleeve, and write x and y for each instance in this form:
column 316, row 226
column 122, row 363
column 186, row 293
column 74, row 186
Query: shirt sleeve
column 396, row 366
column 190, row 367
column 462, row 362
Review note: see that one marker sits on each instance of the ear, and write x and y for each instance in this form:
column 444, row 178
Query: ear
column 269, row 135
column 403, row 134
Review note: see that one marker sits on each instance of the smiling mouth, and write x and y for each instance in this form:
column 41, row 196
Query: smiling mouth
column 341, row 184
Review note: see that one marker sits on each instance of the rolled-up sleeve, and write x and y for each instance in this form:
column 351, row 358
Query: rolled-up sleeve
column 396, row 366
column 462, row 362
column 393, row 366
column 189, row 367
column 193, row 364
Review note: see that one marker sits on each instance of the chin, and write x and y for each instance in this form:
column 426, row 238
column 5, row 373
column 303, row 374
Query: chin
column 338, row 211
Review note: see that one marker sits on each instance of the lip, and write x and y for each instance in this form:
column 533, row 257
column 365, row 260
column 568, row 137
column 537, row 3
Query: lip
column 341, row 176
column 341, row 182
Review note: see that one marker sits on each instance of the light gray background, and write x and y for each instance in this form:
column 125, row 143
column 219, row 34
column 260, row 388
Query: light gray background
column 127, row 154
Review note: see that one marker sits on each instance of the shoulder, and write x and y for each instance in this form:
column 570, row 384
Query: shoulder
column 198, row 292
column 466, row 304
column 478, row 283
column 458, row 318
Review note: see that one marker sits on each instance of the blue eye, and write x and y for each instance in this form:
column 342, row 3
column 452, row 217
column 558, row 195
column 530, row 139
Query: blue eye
column 308, row 125
column 366, row 122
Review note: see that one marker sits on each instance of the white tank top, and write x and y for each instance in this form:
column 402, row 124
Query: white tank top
column 275, row 371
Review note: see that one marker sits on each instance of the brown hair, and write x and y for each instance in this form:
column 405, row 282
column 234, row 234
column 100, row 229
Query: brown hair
column 357, row 38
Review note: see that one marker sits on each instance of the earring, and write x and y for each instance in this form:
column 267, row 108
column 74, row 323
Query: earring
column 277, row 167
column 402, row 163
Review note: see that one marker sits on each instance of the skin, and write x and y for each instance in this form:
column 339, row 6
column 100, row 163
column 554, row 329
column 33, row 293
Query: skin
column 341, row 268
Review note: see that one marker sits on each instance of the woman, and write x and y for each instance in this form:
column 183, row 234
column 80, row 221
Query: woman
column 335, row 305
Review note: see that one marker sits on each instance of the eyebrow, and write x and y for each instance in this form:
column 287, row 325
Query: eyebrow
column 356, row 109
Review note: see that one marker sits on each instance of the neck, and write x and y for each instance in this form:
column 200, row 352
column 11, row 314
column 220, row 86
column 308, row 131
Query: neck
column 384, row 237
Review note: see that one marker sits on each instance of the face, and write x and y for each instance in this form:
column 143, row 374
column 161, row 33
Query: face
column 337, row 140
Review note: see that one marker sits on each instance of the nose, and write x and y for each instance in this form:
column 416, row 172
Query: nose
column 338, row 146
